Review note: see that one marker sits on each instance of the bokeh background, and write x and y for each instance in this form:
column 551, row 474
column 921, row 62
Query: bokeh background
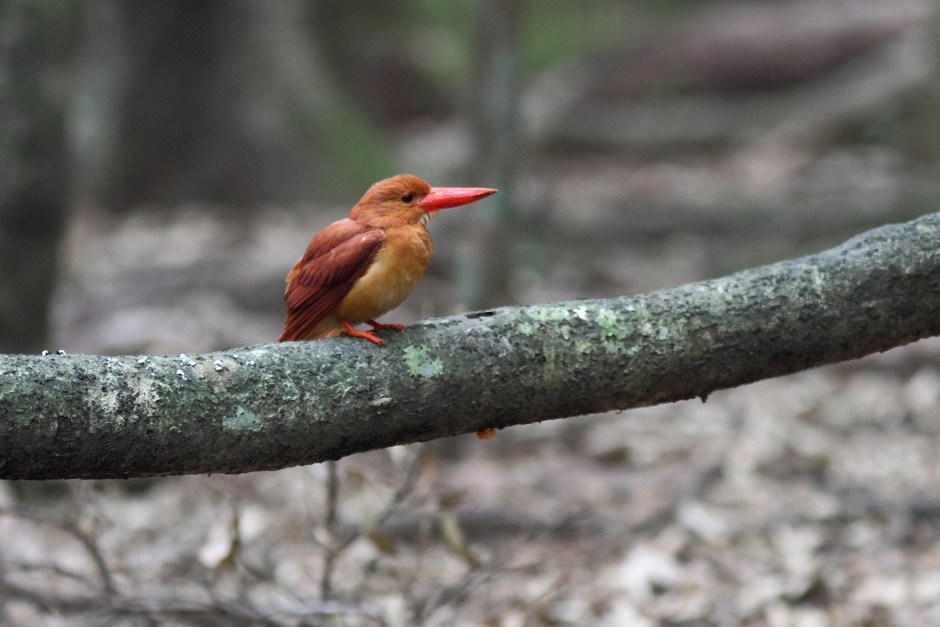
column 164, row 163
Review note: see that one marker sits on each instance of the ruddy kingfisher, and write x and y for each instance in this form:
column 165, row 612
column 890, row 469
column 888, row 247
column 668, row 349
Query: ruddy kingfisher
column 358, row 268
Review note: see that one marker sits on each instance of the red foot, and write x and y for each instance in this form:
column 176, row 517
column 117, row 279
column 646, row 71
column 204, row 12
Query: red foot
column 378, row 326
column 368, row 335
column 354, row 332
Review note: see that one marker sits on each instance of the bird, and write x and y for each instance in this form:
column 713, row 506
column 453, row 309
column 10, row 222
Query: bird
column 364, row 265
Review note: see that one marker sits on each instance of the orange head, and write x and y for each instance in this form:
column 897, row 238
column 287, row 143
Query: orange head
column 406, row 199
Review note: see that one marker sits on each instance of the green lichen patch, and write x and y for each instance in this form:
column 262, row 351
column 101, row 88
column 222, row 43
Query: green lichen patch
column 612, row 326
column 421, row 364
column 547, row 313
column 242, row 420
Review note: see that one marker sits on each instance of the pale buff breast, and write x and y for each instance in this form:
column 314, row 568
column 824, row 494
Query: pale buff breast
column 393, row 274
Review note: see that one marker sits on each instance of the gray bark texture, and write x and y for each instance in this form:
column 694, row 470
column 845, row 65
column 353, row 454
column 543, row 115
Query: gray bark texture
column 277, row 405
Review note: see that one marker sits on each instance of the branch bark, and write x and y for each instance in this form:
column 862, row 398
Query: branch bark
column 277, row 405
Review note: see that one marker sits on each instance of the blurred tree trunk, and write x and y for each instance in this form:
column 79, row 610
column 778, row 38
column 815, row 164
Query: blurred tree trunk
column 34, row 41
column 485, row 260
column 222, row 101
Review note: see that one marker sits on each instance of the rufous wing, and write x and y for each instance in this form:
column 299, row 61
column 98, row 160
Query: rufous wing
column 335, row 258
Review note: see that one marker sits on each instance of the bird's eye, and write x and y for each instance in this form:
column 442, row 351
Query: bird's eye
column 407, row 197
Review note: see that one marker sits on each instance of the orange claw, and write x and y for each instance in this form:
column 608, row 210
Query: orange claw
column 354, row 332
column 378, row 326
column 487, row 433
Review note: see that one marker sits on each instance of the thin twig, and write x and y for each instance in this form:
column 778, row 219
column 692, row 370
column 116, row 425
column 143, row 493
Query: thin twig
column 86, row 540
column 331, row 551
column 55, row 569
column 335, row 546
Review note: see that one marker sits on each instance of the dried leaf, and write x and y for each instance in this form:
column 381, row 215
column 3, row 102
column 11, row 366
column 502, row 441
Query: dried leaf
column 382, row 541
column 455, row 540
column 221, row 545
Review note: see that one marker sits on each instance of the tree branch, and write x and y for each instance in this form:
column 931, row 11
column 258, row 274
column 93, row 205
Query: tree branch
column 272, row 406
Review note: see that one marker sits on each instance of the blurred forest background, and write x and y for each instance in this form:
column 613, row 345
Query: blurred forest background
column 164, row 163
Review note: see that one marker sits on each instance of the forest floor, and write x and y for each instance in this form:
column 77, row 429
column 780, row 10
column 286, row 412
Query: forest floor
column 805, row 500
